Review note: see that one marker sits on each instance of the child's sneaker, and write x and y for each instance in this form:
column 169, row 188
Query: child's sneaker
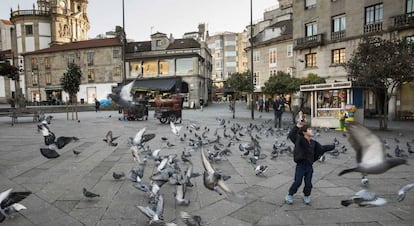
column 306, row 200
column 289, row 199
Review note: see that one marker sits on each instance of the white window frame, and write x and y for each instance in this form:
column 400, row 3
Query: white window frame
column 311, row 29
column 289, row 50
column 256, row 56
column 273, row 57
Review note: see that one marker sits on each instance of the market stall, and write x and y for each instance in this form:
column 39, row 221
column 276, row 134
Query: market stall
column 328, row 102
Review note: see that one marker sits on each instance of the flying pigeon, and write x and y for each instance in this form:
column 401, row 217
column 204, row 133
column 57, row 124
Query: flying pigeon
column 124, row 97
column 9, row 203
column 180, row 195
column 370, row 154
column 211, row 178
column 403, row 191
column 110, row 139
column 89, row 194
column 260, row 170
column 365, row 198
column 53, row 143
column 175, row 129
column 190, row 220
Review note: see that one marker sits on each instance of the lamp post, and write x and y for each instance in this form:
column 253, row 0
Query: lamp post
column 251, row 58
column 123, row 44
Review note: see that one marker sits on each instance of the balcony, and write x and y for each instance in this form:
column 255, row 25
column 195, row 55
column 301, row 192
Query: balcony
column 308, row 42
column 30, row 12
column 374, row 27
column 403, row 21
column 338, row 35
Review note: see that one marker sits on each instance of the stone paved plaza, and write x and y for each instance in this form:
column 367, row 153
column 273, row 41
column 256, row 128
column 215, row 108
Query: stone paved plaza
column 57, row 183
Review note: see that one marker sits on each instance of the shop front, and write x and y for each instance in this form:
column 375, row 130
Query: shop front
column 329, row 102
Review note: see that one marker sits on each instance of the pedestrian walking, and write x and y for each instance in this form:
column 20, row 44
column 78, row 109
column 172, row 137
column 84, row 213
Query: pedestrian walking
column 97, row 105
column 201, row 103
column 260, row 103
column 278, row 107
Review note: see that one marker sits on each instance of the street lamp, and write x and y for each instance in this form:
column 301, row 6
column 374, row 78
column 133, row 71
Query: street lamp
column 123, row 44
column 251, row 57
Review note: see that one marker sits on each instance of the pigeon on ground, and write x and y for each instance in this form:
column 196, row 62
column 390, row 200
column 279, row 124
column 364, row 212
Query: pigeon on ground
column 9, row 202
column 370, row 154
column 403, row 191
column 89, row 194
column 190, row 220
column 180, row 195
column 118, row 176
column 211, row 178
column 110, row 139
column 365, row 198
column 76, row 153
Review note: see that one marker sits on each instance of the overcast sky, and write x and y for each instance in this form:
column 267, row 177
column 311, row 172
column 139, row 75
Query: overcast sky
column 167, row 16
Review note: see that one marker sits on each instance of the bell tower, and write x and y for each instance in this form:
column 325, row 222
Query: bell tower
column 69, row 20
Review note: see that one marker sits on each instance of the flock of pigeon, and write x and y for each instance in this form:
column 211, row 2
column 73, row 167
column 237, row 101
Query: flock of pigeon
column 215, row 145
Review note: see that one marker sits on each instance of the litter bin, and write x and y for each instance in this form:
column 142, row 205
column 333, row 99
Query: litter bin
column 82, row 101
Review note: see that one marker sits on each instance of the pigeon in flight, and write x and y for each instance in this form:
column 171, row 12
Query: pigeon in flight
column 365, row 198
column 180, row 195
column 9, row 203
column 190, row 220
column 175, row 129
column 370, row 154
column 124, row 97
column 403, row 191
column 89, row 194
column 53, row 143
column 213, row 179
column 109, row 138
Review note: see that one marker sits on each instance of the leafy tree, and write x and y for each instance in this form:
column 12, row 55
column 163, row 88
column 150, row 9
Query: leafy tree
column 239, row 83
column 382, row 66
column 283, row 83
column 70, row 82
column 12, row 72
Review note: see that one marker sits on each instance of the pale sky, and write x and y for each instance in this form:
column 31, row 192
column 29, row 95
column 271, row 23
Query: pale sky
column 166, row 16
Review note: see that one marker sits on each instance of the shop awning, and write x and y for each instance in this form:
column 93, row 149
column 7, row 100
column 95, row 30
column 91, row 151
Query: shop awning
column 53, row 87
column 155, row 84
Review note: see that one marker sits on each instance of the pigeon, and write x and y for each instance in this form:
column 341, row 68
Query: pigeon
column 9, row 202
column 211, row 178
column 370, row 154
column 89, row 194
column 364, row 180
column 180, row 195
column 138, row 139
column 53, row 144
column 403, row 191
column 175, row 129
column 124, row 97
column 365, row 198
column 110, row 139
column 76, row 152
column 260, row 170
column 118, row 176
column 190, row 220
column 50, row 152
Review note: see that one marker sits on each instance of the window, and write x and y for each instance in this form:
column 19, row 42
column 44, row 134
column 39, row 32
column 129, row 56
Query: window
column 34, row 78
column 289, row 51
column 272, row 72
column 310, row 60
column 289, row 70
column 410, row 6
column 90, row 58
column 167, row 67
column 28, row 29
column 91, row 75
column 71, row 58
column 158, row 43
column 47, row 63
column 272, row 57
column 310, row 4
column 150, row 67
column 373, row 14
column 185, row 66
column 48, row 77
column 338, row 23
column 256, row 56
column 338, row 56
column 116, row 53
column 311, row 29
column 34, row 63
column 116, row 71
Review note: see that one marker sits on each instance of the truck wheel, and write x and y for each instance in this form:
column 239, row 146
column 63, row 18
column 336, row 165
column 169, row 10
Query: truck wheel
column 163, row 120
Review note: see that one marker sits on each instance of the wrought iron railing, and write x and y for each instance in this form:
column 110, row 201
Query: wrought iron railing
column 308, row 41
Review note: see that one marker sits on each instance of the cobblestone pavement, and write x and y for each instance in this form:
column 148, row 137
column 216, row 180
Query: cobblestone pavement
column 57, row 183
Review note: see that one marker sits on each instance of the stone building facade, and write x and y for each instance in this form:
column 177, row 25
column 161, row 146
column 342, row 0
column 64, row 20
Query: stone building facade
column 171, row 65
column 100, row 62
